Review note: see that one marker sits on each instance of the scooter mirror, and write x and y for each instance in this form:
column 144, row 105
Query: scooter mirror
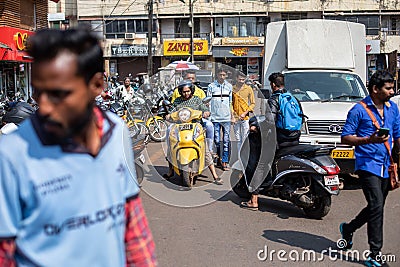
column 207, row 99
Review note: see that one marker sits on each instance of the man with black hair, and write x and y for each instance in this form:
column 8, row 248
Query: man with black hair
column 285, row 137
column 69, row 192
column 372, row 159
column 126, row 91
column 243, row 103
column 221, row 114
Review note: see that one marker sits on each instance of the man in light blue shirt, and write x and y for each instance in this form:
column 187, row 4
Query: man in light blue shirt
column 68, row 189
column 221, row 114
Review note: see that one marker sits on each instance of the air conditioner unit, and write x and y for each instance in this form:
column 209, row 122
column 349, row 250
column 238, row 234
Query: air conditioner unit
column 129, row 36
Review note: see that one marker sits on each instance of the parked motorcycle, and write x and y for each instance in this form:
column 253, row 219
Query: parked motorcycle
column 141, row 109
column 15, row 116
column 305, row 175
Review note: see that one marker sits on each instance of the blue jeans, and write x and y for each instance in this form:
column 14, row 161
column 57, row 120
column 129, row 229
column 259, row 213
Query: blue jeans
column 241, row 130
column 209, row 127
column 226, row 126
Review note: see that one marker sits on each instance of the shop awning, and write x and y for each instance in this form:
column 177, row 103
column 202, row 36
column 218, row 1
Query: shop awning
column 55, row 1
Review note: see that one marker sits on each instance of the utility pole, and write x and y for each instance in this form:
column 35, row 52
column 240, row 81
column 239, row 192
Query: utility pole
column 191, row 26
column 150, row 39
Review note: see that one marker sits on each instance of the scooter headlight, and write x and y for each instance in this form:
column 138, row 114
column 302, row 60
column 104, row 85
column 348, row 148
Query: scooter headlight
column 184, row 115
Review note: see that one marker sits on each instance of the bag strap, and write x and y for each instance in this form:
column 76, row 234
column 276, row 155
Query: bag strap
column 375, row 122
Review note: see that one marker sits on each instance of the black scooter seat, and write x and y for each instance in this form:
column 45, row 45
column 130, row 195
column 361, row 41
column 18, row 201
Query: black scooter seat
column 296, row 149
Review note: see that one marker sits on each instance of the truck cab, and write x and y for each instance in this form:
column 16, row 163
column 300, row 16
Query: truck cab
column 326, row 97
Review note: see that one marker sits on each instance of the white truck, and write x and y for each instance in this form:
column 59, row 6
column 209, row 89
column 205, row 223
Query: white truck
column 324, row 63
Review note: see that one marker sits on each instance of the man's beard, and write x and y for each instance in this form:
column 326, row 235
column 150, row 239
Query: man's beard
column 74, row 129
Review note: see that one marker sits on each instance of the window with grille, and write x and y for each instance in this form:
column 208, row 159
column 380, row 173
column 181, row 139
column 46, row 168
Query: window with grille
column 371, row 22
column 293, row 16
column 118, row 28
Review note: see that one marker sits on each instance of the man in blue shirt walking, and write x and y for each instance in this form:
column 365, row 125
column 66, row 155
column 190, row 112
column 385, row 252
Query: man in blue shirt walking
column 372, row 159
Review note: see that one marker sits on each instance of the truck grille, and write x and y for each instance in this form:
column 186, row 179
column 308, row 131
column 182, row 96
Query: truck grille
column 325, row 127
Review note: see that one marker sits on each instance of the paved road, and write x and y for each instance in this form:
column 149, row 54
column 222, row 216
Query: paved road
column 219, row 233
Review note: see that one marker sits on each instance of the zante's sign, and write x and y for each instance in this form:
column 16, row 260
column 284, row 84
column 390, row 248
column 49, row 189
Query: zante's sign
column 20, row 40
column 181, row 47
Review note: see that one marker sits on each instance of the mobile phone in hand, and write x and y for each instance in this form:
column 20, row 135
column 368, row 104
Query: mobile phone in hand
column 383, row 132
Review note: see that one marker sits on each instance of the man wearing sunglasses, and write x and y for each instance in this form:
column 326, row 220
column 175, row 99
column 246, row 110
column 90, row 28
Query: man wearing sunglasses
column 68, row 183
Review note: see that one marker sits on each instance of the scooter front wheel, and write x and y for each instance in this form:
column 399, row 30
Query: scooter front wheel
column 187, row 175
column 239, row 186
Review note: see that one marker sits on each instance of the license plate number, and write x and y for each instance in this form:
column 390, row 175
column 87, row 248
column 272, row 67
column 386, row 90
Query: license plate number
column 184, row 127
column 331, row 180
column 342, row 154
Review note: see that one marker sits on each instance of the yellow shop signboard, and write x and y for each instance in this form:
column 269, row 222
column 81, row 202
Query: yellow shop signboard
column 181, row 47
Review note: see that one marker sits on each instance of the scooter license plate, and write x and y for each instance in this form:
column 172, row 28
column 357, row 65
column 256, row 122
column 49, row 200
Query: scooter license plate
column 184, row 127
column 331, row 180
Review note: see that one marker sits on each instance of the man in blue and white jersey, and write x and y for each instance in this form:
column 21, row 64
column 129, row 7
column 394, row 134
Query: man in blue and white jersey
column 221, row 114
column 69, row 195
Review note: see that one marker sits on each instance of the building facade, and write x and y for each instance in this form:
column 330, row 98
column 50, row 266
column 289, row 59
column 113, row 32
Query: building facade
column 230, row 32
column 18, row 20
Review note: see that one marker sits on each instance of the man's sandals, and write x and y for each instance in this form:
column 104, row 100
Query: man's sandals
column 245, row 205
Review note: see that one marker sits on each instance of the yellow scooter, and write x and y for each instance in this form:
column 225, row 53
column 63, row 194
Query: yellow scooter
column 187, row 144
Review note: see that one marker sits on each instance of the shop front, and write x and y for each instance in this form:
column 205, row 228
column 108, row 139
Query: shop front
column 129, row 59
column 14, row 62
column 242, row 54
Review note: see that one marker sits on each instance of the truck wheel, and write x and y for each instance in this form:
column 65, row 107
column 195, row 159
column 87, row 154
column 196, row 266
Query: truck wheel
column 320, row 209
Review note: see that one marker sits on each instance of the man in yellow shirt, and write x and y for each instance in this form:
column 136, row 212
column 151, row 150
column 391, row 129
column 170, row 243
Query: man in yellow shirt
column 243, row 103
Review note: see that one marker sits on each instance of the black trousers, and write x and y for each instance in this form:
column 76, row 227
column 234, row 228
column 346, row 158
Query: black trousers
column 375, row 190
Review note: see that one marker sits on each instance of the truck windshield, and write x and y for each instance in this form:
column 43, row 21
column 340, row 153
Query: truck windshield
column 325, row 86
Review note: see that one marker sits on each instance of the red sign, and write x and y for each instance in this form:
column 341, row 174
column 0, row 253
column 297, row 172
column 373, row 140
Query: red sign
column 13, row 43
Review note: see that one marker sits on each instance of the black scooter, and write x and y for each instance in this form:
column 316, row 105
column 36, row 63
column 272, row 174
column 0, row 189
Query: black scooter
column 305, row 175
